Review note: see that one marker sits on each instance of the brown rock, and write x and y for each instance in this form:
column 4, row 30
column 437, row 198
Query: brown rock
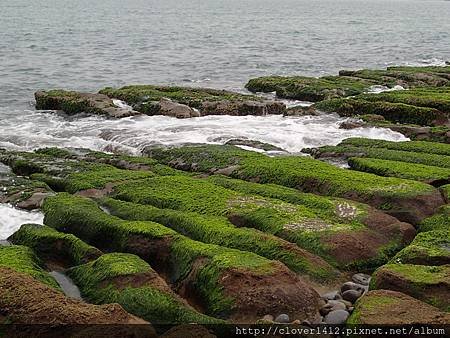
column 395, row 308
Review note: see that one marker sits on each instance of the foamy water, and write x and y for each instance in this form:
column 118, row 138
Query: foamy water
column 37, row 129
column 11, row 219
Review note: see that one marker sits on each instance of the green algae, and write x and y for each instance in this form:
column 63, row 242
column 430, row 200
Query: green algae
column 428, row 248
column 218, row 230
column 23, row 259
column 51, row 244
column 85, row 219
column 411, row 171
column 141, row 292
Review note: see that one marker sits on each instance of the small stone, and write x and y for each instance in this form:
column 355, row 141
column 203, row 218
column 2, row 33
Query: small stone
column 337, row 305
column 268, row 318
column 351, row 286
column 283, row 318
column 336, row 317
column 361, row 278
column 324, row 310
column 330, row 295
column 350, row 309
column 351, row 295
column 346, row 303
column 296, row 322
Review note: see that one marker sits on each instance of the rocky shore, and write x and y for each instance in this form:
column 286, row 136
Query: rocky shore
column 215, row 234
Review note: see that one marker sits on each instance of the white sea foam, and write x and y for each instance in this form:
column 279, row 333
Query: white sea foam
column 380, row 89
column 11, row 219
column 37, row 129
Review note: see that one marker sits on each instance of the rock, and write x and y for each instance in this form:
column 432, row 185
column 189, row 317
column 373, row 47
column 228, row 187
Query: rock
column 296, row 322
column 301, row 111
column 346, row 303
column 254, row 144
column 73, row 103
column 332, row 305
column 168, row 107
column 242, row 108
column 351, row 124
column 361, row 278
column 336, row 317
column 351, row 295
column 330, row 295
column 268, row 318
column 351, row 286
column 430, row 284
column 282, row 318
column 385, row 307
column 35, row 201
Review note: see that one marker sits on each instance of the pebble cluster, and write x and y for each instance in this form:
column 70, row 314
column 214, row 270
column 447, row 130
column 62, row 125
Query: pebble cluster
column 338, row 305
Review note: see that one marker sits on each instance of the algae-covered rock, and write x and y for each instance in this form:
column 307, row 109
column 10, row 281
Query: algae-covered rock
column 411, row 171
column 218, row 230
column 62, row 171
column 39, row 310
column 230, row 283
column 22, row 192
column 430, row 284
column 386, row 307
column 349, row 83
column 76, row 103
column 405, row 199
column 128, row 280
column 428, row 248
column 340, row 240
column 439, row 221
column 22, row 259
column 391, row 111
column 146, row 99
column 54, row 246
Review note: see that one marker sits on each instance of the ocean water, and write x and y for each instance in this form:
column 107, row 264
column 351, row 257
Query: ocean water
column 86, row 45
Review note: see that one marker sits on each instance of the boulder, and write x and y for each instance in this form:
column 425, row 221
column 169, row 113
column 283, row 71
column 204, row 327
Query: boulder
column 386, row 307
column 73, row 103
column 430, row 284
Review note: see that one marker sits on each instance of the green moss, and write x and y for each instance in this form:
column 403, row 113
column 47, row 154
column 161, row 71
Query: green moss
column 428, row 248
column 174, row 253
column 394, row 112
column 412, row 146
column 218, row 230
column 422, row 282
column 144, row 294
column 399, row 169
column 54, row 245
column 23, row 259
column 437, row 98
column 99, row 175
column 308, row 88
column 68, row 101
column 445, row 191
column 309, row 227
column 439, row 221
column 143, row 97
column 375, row 304
column 346, row 151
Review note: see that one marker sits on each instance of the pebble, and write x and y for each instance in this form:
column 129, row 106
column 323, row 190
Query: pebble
column 330, row 295
column 351, row 295
column 346, row 303
column 352, row 286
column 296, row 322
column 283, row 318
column 268, row 318
column 361, row 278
column 336, row 317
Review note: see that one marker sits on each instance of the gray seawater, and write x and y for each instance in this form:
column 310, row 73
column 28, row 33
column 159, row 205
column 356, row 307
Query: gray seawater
column 85, row 44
